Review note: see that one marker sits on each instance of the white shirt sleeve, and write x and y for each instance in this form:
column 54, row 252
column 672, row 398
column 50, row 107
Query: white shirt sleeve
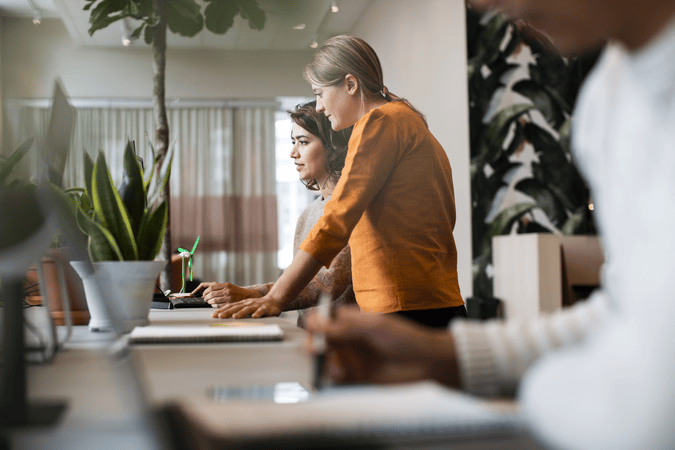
column 494, row 356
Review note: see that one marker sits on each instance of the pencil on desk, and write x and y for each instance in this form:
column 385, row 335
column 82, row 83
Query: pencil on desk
column 319, row 342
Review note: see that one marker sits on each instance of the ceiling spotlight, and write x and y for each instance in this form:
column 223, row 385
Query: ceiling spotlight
column 37, row 14
column 334, row 6
column 314, row 43
column 300, row 26
column 127, row 30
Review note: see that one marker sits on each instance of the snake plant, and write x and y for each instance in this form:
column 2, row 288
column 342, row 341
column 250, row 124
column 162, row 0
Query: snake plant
column 122, row 224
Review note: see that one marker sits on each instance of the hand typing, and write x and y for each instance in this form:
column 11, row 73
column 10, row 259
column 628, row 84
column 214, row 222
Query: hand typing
column 219, row 294
column 254, row 307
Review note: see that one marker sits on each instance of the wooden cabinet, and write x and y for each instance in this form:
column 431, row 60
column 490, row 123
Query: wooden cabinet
column 539, row 273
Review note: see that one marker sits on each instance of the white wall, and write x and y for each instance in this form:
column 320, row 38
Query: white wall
column 422, row 48
column 35, row 55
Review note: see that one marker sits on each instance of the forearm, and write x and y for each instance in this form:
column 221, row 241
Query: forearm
column 442, row 359
column 493, row 357
column 294, row 279
column 262, row 289
column 336, row 281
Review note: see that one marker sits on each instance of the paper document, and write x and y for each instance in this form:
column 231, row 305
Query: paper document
column 205, row 333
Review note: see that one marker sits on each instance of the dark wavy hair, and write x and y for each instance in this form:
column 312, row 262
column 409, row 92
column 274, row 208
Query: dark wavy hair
column 335, row 142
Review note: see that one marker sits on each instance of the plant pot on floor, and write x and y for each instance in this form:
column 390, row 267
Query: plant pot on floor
column 129, row 287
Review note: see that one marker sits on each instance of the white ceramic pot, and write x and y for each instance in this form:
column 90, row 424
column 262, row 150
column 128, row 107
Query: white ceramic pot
column 128, row 286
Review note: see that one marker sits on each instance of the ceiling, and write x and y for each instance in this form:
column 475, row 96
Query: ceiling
column 282, row 15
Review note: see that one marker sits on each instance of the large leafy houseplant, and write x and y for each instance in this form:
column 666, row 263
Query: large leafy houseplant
column 183, row 17
column 499, row 132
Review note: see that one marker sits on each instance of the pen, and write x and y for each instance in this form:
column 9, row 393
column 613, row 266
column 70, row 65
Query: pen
column 319, row 342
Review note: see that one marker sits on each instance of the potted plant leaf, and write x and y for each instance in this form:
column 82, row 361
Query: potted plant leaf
column 7, row 166
column 125, row 229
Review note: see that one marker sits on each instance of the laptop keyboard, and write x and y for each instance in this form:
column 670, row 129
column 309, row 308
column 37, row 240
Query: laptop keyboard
column 190, row 302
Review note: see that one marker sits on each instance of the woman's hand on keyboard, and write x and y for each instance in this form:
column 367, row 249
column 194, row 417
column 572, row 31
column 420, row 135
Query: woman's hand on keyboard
column 254, row 307
column 219, row 294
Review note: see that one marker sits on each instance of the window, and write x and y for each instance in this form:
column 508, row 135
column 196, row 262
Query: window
column 292, row 196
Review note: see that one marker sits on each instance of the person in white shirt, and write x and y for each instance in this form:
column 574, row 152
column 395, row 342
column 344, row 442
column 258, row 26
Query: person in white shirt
column 602, row 373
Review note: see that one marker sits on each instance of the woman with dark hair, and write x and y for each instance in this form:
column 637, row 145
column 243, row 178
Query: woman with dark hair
column 319, row 156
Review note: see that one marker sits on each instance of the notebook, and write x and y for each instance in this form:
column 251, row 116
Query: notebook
column 379, row 416
column 218, row 332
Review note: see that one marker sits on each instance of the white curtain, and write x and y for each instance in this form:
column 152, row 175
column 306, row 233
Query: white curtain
column 222, row 179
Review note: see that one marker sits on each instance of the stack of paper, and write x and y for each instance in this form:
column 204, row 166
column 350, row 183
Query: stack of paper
column 217, row 332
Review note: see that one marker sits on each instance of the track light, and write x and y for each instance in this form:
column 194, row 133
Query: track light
column 334, row 6
column 37, row 14
column 314, row 43
column 126, row 33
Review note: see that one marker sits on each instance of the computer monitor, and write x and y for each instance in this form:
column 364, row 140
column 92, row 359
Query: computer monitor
column 33, row 211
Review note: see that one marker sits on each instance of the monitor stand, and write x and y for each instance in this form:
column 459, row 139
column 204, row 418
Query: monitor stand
column 15, row 409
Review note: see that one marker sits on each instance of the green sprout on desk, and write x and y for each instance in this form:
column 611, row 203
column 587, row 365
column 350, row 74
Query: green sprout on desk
column 184, row 254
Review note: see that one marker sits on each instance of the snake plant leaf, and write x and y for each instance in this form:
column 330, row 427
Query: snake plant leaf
column 7, row 165
column 102, row 245
column 132, row 188
column 249, row 10
column 151, row 232
column 184, row 17
column 150, row 168
column 111, row 211
column 88, row 173
column 65, row 204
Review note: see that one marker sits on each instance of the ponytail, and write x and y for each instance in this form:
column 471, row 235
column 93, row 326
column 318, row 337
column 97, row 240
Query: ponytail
column 343, row 55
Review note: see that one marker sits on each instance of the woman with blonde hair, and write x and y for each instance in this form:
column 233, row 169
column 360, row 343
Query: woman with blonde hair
column 394, row 203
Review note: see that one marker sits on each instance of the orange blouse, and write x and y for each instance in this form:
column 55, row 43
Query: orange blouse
column 395, row 206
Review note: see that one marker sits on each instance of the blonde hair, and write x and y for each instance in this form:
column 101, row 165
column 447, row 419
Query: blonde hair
column 343, row 55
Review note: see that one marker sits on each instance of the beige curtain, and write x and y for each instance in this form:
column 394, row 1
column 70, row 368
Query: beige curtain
column 222, row 181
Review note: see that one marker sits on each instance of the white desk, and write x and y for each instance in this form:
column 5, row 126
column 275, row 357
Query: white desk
column 100, row 405
column 99, row 413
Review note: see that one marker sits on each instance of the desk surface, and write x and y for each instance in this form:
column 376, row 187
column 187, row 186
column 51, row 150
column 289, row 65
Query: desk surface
column 99, row 398
column 169, row 371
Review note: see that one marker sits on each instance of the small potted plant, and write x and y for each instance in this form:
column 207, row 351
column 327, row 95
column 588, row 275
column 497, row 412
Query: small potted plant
column 125, row 230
